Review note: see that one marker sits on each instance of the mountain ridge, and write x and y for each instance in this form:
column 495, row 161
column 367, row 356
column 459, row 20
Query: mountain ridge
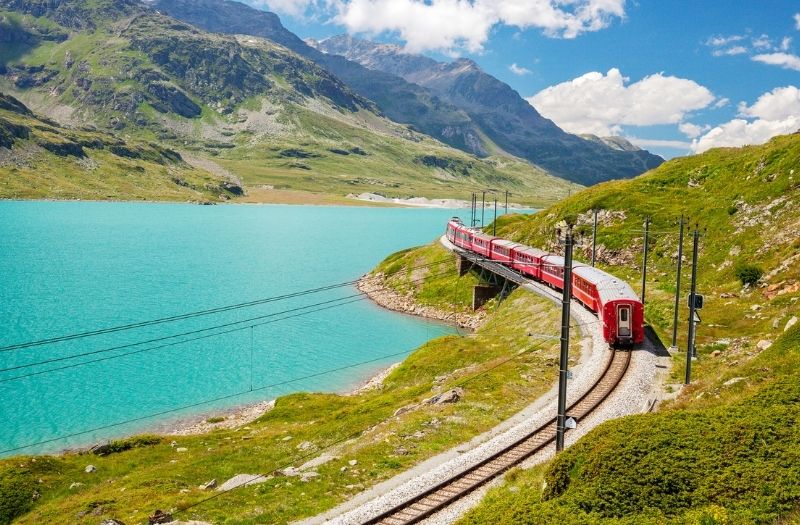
column 454, row 113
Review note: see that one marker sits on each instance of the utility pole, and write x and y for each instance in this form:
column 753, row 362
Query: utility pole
column 690, row 350
column 472, row 207
column 494, row 224
column 506, row 212
column 594, row 238
column 677, row 290
column 483, row 206
column 564, row 360
column 644, row 258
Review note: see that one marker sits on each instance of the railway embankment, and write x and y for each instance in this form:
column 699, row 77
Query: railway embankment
column 634, row 394
column 721, row 451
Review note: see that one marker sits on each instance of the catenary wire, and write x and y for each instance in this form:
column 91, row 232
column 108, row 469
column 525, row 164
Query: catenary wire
column 190, row 315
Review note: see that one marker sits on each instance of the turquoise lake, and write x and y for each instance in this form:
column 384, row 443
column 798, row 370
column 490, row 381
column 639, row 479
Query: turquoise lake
column 72, row 267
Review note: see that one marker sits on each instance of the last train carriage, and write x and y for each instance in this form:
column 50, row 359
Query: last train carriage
column 613, row 301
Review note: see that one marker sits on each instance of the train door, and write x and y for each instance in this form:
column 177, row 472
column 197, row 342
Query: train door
column 624, row 321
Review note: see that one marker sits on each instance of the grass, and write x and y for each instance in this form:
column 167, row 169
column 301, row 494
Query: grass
column 499, row 367
column 727, row 450
column 30, row 171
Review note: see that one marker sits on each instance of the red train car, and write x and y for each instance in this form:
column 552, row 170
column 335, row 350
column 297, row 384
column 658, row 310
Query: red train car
column 552, row 271
column 501, row 250
column 528, row 261
column 616, row 304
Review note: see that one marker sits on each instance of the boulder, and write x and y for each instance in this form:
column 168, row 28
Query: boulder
column 451, row 396
column 790, row 323
column 90, row 468
column 208, row 485
column 763, row 344
column 242, row 480
column 159, row 516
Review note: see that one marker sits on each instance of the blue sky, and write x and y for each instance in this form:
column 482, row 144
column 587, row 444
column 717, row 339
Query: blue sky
column 676, row 77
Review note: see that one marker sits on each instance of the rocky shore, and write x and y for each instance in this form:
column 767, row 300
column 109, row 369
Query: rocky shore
column 374, row 286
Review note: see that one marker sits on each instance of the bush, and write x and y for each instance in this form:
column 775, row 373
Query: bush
column 749, row 273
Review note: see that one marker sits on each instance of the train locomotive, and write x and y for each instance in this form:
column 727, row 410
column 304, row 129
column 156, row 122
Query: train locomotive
column 613, row 301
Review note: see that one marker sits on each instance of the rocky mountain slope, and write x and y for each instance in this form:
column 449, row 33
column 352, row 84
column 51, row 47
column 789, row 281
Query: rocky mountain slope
column 505, row 117
column 456, row 103
column 39, row 158
column 241, row 104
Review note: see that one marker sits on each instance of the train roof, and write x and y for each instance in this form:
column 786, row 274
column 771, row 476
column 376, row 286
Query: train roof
column 609, row 288
column 485, row 236
column 556, row 260
column 506, row 244
column 536, row 252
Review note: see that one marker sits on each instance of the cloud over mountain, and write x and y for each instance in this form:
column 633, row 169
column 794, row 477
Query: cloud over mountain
column 601, row 104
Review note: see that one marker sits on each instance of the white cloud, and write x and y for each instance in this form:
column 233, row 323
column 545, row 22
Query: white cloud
column 762, row 42
column 735, row 50
column 721, row 103
column 797, row 21
column 721, row 41
column 784, row 60
column 774, row 113
column 659, row 143
column 602, row 104
column 692, row 130
column 519, row 70
column 446, row 25
column 786, row 43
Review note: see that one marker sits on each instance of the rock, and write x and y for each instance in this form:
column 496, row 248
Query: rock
column 208, row 485
column 242, row 480
column 307, row 476
column 755, row 307
column 790, row 323
column 716, row 353
column 287, row 438
column 181, row 449
column 305, row 445
column 343, row 469
column 353, row 462
column 402, row 410
column 169, row 98
column 776, row 323
column 289, row 471
column 173, row 444
column 733, row 381
column 159, row 516
column 763, row 344
column 451, row 396
column 90, row 468
column 111, row 521
column 728, row 295
column 101, row 449
column 75, row 485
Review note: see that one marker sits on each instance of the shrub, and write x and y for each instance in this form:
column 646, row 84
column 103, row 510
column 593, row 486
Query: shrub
column 748, row 273
column 732, row 210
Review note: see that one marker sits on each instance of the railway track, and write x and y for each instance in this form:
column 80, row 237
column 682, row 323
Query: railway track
column 458, row 486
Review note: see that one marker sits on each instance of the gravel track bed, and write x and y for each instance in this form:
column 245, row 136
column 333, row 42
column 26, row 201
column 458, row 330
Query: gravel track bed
column 630, row 397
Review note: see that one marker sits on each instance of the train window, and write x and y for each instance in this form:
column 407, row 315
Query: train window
column 623, row 315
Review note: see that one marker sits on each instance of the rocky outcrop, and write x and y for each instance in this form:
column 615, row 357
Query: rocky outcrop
column 374, row 286
column 171, row 99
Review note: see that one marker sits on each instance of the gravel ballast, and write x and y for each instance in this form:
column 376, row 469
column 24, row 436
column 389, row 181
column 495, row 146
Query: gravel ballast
column 633, row 395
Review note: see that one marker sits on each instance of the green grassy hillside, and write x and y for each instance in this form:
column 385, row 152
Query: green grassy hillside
column 271, row 118
column 727, row 450
column 499, row 367
column 40, row 159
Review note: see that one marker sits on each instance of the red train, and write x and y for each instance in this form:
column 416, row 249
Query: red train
column 612, row 300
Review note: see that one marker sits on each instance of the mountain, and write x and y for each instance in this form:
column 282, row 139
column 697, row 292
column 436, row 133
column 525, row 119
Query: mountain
column 505, row 117
column 41, row 159
column 238, row 105
column 456, row 103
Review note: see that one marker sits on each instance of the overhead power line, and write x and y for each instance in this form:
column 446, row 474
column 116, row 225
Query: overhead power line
column 190, row 315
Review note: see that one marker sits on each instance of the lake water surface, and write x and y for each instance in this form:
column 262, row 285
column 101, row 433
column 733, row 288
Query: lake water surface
column 71, row 267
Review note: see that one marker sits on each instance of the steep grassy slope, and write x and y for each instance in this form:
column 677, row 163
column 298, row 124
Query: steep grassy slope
column 40, row 159
column 499, row 368
column 727, row 450
column 272, row 117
